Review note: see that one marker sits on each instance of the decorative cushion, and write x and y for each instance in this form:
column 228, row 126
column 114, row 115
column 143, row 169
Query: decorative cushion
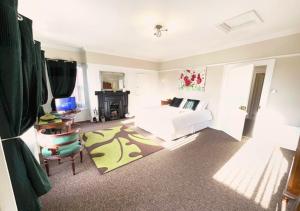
column 202, row 105
column 191, row 104
column 176, row 102
column 183, row 102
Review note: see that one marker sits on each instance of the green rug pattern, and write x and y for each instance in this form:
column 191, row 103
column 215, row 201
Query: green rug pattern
column 114, row 147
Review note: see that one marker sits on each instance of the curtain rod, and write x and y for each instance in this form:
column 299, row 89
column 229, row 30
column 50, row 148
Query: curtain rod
column 59, row 59
column 19, row 17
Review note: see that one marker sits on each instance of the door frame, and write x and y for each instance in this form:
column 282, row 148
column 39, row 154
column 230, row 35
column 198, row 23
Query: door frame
column 270, row 63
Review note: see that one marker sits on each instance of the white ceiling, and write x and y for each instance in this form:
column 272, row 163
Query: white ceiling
column 125, row 28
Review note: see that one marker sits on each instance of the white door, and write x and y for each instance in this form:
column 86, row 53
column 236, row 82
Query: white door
column 146, row 89
column 234, row 99
column 140, row 90
column 138, row 86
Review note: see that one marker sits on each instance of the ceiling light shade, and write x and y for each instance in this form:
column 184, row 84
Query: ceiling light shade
column 158, row 30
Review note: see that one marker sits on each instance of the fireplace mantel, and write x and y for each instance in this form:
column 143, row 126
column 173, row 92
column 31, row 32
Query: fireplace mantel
column 107, row 101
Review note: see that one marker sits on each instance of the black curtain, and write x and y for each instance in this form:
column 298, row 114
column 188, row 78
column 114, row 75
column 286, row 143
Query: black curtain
column 40, row 58
column 20, row 97
column 62, row 78
column 31, row 70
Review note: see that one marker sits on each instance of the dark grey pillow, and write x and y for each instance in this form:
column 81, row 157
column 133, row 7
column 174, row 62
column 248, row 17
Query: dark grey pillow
column 176, row 102
column 191, row 104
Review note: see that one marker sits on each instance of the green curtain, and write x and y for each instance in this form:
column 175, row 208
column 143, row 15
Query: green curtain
column 62, row 78
column 40, row 58
column 20, row 97
column 10, row 62
column 32, row 74
column 44, row 79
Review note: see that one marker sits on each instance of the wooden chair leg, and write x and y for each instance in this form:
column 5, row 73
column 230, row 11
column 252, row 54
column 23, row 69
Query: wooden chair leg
column 81, row 156
column 46, row 166
column 73, row 165
column 284, row 203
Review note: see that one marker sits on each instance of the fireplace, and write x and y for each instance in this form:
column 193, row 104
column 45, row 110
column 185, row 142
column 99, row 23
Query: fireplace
column 112, row 105
column 114, row 110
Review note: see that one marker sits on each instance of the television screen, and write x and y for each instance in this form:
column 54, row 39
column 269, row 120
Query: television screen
column 65, row 104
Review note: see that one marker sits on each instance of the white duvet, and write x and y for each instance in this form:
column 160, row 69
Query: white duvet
column 169, row 122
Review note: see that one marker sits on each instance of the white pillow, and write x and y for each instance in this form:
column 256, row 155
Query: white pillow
column 202, row 105
column 182, row 103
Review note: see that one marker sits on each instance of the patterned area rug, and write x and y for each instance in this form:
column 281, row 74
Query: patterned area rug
column 115, row 147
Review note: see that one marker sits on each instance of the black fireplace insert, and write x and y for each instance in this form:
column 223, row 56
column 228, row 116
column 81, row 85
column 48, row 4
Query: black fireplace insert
column 112, row 105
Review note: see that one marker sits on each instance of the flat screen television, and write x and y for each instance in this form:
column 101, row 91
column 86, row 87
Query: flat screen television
column 65, row 104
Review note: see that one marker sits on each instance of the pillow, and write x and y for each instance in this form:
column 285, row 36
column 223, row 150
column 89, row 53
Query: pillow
column 191, row 104
column 183, row 103
column 202, row 105
column 176, row 102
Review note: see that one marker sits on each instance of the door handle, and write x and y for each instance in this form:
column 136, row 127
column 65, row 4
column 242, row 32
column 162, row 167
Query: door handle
column 243, row 108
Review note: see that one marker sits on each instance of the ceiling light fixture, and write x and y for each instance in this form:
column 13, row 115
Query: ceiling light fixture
column 241, row 21
column 158, row 30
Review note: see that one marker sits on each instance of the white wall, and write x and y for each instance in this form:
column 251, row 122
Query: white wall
column 30, row 138
column 47, row 106
column 286, row 82
column 142, row 92
column 7, row 199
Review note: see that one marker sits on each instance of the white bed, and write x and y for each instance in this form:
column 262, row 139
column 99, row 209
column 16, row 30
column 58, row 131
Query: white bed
column 169, row 123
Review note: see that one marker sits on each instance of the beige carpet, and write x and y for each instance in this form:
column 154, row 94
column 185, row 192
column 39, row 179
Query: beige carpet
column 183, row 179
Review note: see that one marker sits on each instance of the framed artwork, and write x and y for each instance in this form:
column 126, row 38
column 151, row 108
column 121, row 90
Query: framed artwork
column 193, row 79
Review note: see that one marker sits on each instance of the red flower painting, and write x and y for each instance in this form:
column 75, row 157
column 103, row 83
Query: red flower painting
column 192, row 79
column 199, row 79
column 181, row 76
column 187, row 81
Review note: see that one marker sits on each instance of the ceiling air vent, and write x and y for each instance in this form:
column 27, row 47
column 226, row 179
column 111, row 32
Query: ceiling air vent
column 240, row 21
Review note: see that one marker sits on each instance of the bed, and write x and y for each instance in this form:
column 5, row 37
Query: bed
column 170, row 123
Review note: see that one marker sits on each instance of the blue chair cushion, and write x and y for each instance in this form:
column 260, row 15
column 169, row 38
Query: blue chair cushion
column 66, row 139
column 69, row 149
column 62, row 150
column 46, row 152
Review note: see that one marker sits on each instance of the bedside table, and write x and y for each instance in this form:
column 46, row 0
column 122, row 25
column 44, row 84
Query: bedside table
column 165, row 102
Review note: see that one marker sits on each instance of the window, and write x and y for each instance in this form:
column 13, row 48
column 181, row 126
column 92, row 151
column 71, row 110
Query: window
column 78, row 92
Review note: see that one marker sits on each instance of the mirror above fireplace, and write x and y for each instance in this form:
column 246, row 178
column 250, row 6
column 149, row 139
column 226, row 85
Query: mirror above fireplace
column 112, row 80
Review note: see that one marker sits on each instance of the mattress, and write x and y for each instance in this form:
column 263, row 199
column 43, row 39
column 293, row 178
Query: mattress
column 169, row 123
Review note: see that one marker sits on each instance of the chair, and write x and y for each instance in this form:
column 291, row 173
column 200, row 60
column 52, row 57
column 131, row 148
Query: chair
column 58, row 146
